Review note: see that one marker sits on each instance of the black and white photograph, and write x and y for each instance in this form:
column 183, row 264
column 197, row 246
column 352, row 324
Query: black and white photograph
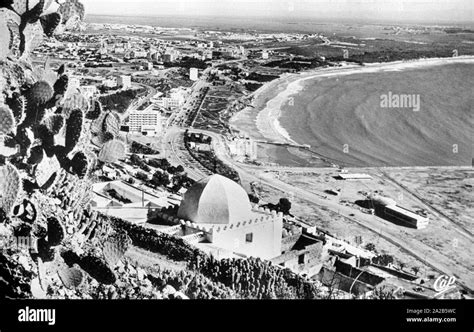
column 311, row 155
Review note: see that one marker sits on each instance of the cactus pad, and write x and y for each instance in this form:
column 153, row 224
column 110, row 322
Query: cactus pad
column 70, row 277
column 10, row 184
column 60, row 87
column 5, row 36
column 46, row 169
column 50, row 22
column 73, row 129
column 33, row 14
column 97, row 124
column 79, row 164
column 20, row 6
column 36, row 155
column 7, row 120
column 107, row 137
column 54, row 123
column 18, row 106
column 75, row 101
column 56, row 232
column 112, row 151
column 39, row 93
column 95, row 111
column 115, row 248
column 98, row 269
column 111, row 124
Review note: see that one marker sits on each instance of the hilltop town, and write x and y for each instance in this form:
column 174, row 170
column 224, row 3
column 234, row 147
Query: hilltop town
column 135, row 175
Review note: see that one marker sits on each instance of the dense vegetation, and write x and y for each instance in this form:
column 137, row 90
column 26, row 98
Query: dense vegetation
column 120, row 100
column 249, row 278
column 209, row 160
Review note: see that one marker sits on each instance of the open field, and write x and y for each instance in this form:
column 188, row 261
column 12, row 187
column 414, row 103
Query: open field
column 447, row 241
column 345, row 228
column 451, row 191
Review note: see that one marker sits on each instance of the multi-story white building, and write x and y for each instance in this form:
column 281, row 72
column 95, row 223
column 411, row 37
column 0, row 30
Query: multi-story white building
column 109, row 82
column 147, row 122
column 138, row 54
column 88, row 91
column 193, row 74
column 175, row 99
column 243, row 148
column 124, row 81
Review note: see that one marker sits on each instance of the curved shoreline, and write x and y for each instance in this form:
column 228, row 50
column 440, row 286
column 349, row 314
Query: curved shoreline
column 262, row 120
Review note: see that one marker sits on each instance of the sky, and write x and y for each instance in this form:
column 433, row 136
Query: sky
column 390, row 10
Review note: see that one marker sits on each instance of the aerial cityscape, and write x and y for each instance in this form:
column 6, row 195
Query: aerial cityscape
column 147, row 157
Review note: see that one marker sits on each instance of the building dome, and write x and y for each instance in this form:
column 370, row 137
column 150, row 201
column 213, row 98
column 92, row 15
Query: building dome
column 215, row 200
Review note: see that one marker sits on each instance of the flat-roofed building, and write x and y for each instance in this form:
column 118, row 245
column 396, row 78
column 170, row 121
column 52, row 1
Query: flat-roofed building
column 354, row 176
column 406, row 216
column 148, row 122
column 193, row 74
column 124, row 81
column 388, row 209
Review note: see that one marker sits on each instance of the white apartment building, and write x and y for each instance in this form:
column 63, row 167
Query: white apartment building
column 124, row 81
column 88, row 91
column 147, row 122
column 175, row 100
column 243, row 148
column 193, row 74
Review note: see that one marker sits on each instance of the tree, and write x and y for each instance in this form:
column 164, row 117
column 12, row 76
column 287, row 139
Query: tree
column 383, row 293
column 164, row 163
column 383, row 260
column 415, row 270
column 370, row 247
column 284, row 205
column 180, row 169
column 172, row 170
column 145, row 167
column 160, row 179
column 142, row 176
column 135, row 160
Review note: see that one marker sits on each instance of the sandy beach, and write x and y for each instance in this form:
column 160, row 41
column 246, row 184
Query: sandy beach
column 262, row 121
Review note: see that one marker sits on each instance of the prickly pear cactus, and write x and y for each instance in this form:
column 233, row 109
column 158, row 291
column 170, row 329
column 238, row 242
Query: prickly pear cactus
column 39, row 94
column 75, row 101
column 56, row 231
column 95, row 111
column 98, row 269
column 71, row 277
column 54, row 123
column 112, row 151
column 72, row 12
column 73, row 129
column 115, row 248
column 9, row 187
column 111, row 124
column 7, row 120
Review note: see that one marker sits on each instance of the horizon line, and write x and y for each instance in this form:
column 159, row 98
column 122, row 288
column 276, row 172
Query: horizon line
column 326, row 19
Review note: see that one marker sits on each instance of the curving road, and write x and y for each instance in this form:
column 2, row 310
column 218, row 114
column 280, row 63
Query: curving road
column 384, row 229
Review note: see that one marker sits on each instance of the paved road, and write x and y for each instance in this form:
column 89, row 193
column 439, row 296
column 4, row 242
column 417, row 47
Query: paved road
column 386, row 230
column 397, row 236
column 174, row 150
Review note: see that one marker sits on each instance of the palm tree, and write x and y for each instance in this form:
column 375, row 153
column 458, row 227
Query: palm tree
column 416, row 269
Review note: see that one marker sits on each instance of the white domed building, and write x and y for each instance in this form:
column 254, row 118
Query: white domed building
column 217, row 217
column 215, row 200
